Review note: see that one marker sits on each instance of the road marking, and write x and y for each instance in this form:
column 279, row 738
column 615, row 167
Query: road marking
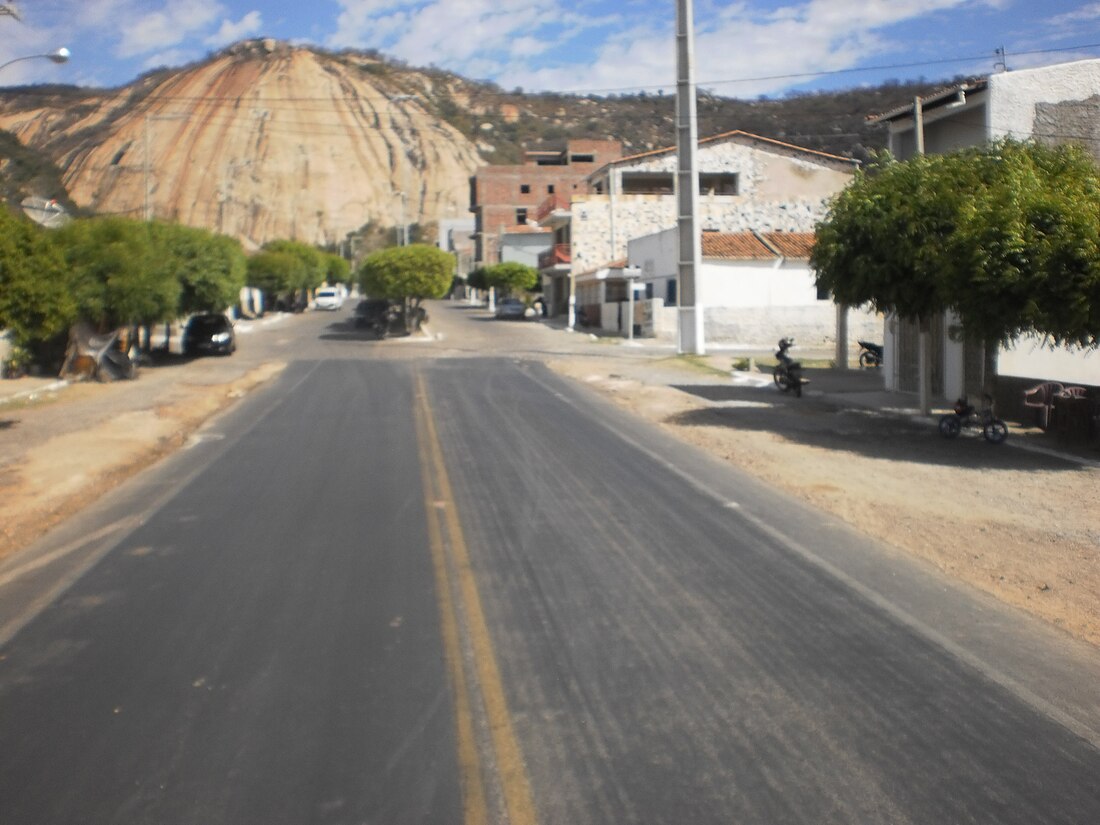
column 48, row 558
column 511, row 772
column 1084, row 728
column 469, row 766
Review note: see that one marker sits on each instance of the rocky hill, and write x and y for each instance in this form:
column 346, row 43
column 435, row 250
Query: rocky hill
column 262, row 141
column 268, row 140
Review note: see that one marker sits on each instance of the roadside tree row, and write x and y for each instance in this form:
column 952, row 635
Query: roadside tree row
column 1007, row 236
column 114, row 273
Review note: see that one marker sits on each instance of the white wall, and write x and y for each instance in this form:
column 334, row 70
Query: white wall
column 1028, row 358
column 779, row 190
column 749, row 303
column 1015, row 96
column 1015, row 102
column 758, row 284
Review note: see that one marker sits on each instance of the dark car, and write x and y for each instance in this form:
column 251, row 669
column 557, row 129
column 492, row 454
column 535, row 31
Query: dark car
column 383, row 316
column 209, row 333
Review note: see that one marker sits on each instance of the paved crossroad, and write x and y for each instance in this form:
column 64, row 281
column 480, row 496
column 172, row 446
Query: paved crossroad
column 459, row 589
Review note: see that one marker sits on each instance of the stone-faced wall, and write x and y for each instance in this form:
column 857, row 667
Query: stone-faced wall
column 1053, row 104
column 778, row 191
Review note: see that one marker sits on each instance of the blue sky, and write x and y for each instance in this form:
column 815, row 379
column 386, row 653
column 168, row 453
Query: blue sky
column 743, row 49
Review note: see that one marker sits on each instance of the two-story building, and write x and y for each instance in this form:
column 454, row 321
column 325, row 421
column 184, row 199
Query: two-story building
column 507, row 196
column 1053, row 105
column 747, row 184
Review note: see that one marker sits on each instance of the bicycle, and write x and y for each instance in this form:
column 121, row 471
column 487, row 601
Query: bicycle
column 994, row 430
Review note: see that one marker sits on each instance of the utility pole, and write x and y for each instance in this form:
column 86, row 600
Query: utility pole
column 690, row 312
column 924, row 337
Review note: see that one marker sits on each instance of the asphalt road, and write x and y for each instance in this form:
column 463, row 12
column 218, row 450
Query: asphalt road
column 426, row 583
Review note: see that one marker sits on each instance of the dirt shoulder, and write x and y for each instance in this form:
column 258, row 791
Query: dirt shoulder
column 49, row 478
column 1019, row 525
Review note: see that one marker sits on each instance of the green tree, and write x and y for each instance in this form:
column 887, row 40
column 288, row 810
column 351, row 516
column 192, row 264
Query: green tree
column 478, row 279
column 511, row 276
column 1026, row 254
column 36, row 303
column 407, row 273
column 337, row 269
column 314, row 265
column 1006, row 235
column 276, row 273
column 210, row 268
column 113, row 277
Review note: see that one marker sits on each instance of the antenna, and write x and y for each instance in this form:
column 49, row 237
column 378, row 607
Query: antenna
column 45, row 211
column 1002, row 64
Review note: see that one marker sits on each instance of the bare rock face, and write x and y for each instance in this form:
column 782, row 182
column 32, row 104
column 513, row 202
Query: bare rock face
column 264, row 141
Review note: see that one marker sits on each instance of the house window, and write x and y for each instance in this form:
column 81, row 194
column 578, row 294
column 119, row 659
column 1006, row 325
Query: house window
column 670, row 292
column 822, row 293
column 724, row 183
column 648, row 183
column 521, row 216
column 550, row 189
column 582, row 158
column 525, row 189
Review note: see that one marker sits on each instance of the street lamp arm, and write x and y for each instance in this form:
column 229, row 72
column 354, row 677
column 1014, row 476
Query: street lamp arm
column 58, row 56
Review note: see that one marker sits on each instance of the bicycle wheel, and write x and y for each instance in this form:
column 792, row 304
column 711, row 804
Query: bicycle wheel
column 995, row 431
column 950, row 426
column 867, row 360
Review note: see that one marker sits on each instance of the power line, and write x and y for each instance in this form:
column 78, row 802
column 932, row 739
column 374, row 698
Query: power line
column 599, row 91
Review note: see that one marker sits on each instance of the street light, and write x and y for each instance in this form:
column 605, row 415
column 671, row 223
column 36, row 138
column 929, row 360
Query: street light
column 57, row 56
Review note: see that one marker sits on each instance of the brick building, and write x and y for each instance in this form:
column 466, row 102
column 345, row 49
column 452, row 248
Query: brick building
column 507, row 196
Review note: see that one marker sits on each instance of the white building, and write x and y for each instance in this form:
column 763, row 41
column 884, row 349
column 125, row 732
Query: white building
column 747, row 183
column 755, row 287
column 1053, row 105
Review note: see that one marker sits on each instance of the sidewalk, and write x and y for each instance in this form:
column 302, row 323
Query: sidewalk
column 28, row 388
column 853, row 388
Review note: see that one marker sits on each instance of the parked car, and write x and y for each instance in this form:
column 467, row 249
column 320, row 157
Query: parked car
column 208, row 334
column 381, row 315
column 513, row 309
column 328, row 298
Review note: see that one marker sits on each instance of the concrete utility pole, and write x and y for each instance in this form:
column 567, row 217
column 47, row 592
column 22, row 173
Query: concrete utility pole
column 690, row 313
column 924, row 357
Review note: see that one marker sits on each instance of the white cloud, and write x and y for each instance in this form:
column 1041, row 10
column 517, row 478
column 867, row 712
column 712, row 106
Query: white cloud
column 231, row 32
column 1088, row 13
column 451, row 32
column 168, row 57
column 518, row 40
column 178, row 21
column 743, row 41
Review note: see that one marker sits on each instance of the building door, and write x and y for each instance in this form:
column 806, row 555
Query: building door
column 909, row 356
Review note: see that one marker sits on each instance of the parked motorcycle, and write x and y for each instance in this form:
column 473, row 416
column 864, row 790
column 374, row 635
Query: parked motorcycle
column 870, row 355
column 994, row 430
column 788, row 372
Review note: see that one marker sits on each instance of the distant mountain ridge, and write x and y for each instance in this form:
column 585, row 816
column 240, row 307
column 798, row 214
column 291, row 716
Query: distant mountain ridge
column 268, row 140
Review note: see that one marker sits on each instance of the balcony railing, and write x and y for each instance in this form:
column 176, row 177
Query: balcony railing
column 552, row 204
column 555, row 256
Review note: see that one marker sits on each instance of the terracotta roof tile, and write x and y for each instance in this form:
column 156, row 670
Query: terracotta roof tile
column 735, row 246
column 791, row 244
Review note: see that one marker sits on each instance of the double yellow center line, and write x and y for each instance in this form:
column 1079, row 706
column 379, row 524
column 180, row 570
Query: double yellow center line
column 467, row 645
